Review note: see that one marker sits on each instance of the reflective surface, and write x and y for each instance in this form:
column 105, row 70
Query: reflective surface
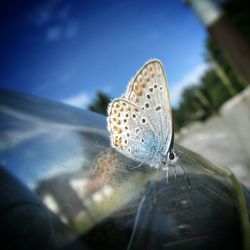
column 60, row 158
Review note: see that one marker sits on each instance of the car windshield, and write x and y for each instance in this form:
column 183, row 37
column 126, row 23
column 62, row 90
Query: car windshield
column 63, row 155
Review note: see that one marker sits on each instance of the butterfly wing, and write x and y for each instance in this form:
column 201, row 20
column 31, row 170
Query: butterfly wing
column 141, row 124
column 149, row 91
column 129, row 131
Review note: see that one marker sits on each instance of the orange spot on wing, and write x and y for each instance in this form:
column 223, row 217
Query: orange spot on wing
column 138, row 89
column 118, row 143
column 118, row 130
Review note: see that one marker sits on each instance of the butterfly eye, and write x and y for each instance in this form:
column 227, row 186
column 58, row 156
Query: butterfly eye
column 148, row 96
column 147, row 105
column 143, row 120
column 171, row 156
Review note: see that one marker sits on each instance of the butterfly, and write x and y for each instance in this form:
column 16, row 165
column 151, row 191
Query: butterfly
column 140, row 121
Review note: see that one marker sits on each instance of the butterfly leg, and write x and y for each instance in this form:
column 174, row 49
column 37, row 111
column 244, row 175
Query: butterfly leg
column 165, row 166
column 175, row 175
column 167, row 172
column 157, row 172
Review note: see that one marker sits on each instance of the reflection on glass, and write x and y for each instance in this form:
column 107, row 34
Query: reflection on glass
column 62, row 154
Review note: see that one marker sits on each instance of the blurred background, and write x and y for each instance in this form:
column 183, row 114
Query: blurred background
column 84, row 53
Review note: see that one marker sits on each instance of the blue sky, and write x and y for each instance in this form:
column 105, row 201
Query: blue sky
column 67, row 50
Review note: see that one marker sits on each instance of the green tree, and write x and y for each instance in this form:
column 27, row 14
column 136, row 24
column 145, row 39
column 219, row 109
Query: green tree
column 215, row 91
column 100, row 103
column 193, row 106
column 215, row 53
column 219, row 83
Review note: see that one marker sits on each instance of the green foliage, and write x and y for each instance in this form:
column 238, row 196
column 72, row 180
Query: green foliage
column 193, row 106
column 220, row 83
column 100, row 103
column 214, row 90
column 215, row 54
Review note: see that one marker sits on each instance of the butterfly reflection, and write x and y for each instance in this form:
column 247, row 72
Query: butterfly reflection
column 118, row 173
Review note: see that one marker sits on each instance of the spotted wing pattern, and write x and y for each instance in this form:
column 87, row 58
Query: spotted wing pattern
column 140, row 123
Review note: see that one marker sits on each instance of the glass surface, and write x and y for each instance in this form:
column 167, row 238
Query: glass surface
column 104, row 199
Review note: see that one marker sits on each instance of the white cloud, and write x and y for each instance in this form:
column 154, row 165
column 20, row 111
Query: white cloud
column 191, row 78
column 56, row 16
column 81, row 100
column 50, row 11
column 54, row 33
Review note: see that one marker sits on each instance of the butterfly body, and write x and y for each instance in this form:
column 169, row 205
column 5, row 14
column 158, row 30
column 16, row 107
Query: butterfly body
column 140, row 122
